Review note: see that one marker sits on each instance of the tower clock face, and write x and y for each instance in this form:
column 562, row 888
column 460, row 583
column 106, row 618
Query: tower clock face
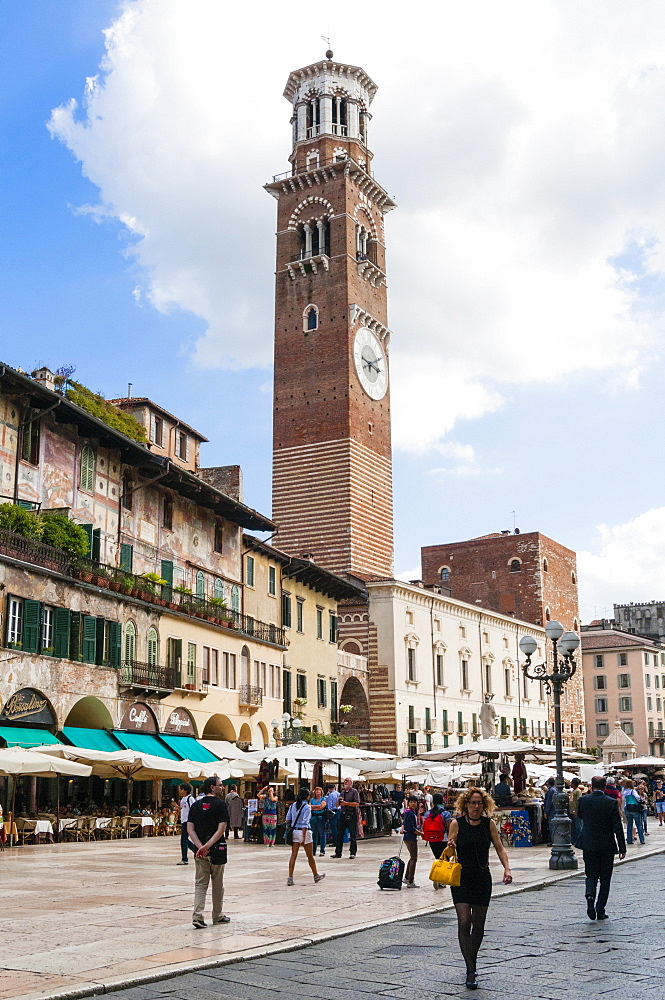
column 371, row 363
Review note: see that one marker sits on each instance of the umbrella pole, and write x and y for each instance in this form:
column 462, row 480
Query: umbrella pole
column 11, row 816
column 57, row 811
column 128, row 797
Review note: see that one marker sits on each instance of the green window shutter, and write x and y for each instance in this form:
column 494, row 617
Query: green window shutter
column 88, row 530
column 250, row 571
column 100, row 659
column 61, row 632
column 153, row 646
column 167, row 574
column 191, row 662
column 87, row 477
column 126, row 557
column 115, row 643
column 75, row 637
column 89, row 644
column 96, row 548
column 200, row 584
column 32, row 623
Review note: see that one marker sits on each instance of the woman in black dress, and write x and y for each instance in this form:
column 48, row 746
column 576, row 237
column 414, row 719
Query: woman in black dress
column 471, row 833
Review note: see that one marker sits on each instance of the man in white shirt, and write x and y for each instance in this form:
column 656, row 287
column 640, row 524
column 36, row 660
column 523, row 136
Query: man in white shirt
column 187, row 800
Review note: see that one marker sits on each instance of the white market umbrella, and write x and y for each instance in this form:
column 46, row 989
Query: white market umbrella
column 16, row 761
column 476, row 751
column 647, row 761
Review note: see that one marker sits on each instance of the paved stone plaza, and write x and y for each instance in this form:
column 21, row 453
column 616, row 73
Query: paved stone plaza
column 538, row 944
column 83, row 918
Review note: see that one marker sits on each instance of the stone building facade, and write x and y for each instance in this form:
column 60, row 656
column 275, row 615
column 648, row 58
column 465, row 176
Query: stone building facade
column 529, row 576
column 647, row 618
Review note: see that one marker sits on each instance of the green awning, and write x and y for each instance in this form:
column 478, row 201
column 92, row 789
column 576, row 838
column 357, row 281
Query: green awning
column 145, row 743
column 91, row 739
column 189, row 748
column 20, row 736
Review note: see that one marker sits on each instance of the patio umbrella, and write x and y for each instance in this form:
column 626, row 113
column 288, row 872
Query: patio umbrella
column 16, row 761
column 476, row 751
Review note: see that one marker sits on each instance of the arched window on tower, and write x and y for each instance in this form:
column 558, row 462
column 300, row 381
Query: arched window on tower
column 314, row 238
column 339, row 116
column 445, row 574
column 310, row 318
column 313, row 117
column 515, row 566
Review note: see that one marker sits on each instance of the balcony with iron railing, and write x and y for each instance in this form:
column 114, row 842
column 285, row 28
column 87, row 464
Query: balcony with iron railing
column 148, row 677
column 337, row 160
column 36, row 553
column 250, row 696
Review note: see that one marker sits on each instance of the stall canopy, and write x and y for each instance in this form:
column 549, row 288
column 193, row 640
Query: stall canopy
column 145, row 743
column 22, row 736
column 91, row 739
column 189, row 747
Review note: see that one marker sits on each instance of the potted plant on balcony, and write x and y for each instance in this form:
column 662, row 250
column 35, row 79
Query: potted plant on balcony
column 218, row 606
column 83, row 571
column 101, row 576
column 126, row 583
column 299, row 704
column 184, row 602
column 149, row 583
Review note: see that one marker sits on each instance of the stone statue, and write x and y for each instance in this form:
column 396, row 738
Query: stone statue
column 488, row 718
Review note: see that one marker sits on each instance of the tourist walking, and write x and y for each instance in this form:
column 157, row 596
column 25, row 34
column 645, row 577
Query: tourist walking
column 269, row 819
column 187, row 800
column 643, row 790
column 471, row 833
column 207, row 822
column 659, row 801
column 319, row 808
column 332, row 799
column 633, row 807
column 411, row 834
column 602, row 838
column 435, row 829
column 349, row 802
column 298, row 820
column 234, row 806
column 576, row 792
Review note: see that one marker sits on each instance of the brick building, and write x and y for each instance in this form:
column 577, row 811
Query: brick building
column 332, row 468
column 528, row 576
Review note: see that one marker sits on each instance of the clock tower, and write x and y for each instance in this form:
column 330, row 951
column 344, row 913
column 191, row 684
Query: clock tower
column 332, row 467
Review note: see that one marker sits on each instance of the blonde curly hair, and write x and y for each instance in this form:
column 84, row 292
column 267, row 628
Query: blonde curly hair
column 462, row 804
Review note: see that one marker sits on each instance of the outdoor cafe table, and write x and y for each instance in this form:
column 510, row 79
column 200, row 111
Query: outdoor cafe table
column 67, row 824
column 43, row 828
column 103, row 822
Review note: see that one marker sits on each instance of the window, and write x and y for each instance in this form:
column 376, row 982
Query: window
column 505, row 731
column 299, row 615
column 47, row 630
column 624, row 680
column 229, row 670
column 545, row 566
column 602, row 729
column 153, row 646
column 321, row 693
column 525, row 687
column 200, row 585
column 332, row 627
column 659, row 705
column 439, row 670
column 410, row 663
column 598, row 661
column 286, row 611
column 428, row 720
column 127, row 498
column 286, row 691
column 647, row 680
column 656, row 681
column 541, row 692
column 301, row 685
column 30, row 442
column 174, row 653
column 272, row 581
column 627, row 727
column 600, row 682
column 87, row 471
column 218, row 589
column 219, row 536
column 191, row 664
column 334, row 714
column 515, row 566
column 445, row 574
column 625, row 704
column 15, row 621
column 411, row 717
column 167, row 513
column 465, row 675
column 319, row 623
column 649, row 704
column 157, row 431
column 601, row 706
column 311, row 318
column 182, row 442
column 507, row 682
column 235, row 597
column 249, row 571
column 130, row 642
column 623, row 659
column 412, row 744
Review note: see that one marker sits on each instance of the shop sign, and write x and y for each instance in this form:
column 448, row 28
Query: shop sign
column 180, row 722
column 29, row 705
column 139, row 718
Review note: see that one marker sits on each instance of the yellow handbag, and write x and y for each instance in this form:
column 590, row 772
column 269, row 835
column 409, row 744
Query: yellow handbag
column 445, row 871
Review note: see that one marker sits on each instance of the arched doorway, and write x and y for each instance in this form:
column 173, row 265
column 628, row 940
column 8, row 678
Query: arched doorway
column 261, row 736
column 219, row 727
column 89, row 713
column 245, row 736
column 357, row 719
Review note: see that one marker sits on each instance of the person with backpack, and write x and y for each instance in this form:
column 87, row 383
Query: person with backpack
column 435, row 829
column 633, row 807
column 187, row 800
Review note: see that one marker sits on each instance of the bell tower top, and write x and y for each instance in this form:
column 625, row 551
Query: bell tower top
column 331, row 115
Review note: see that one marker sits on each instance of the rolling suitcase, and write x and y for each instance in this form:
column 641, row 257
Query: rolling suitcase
column 391, row 872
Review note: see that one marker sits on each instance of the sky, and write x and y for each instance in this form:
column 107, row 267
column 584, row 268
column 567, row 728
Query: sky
column 523, row 142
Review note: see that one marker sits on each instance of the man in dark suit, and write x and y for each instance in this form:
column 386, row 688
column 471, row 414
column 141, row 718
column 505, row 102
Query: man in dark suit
column 602, row 838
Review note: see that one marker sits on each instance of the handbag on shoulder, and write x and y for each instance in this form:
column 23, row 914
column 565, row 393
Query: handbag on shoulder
column 446, row 870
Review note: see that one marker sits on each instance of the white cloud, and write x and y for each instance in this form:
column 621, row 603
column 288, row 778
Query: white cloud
column 628, row 564
column 463, row 461
column 409, row 574
column 523, row 142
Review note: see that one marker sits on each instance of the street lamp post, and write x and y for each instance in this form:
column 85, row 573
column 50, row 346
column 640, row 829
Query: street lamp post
column 564, row 645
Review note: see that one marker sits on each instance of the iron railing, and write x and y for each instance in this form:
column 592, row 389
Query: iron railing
column 31, row 550
column 134, row 673
column 250, row 695
column 338, row 158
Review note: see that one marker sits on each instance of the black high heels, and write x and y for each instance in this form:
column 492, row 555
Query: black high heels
column 471, row 983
